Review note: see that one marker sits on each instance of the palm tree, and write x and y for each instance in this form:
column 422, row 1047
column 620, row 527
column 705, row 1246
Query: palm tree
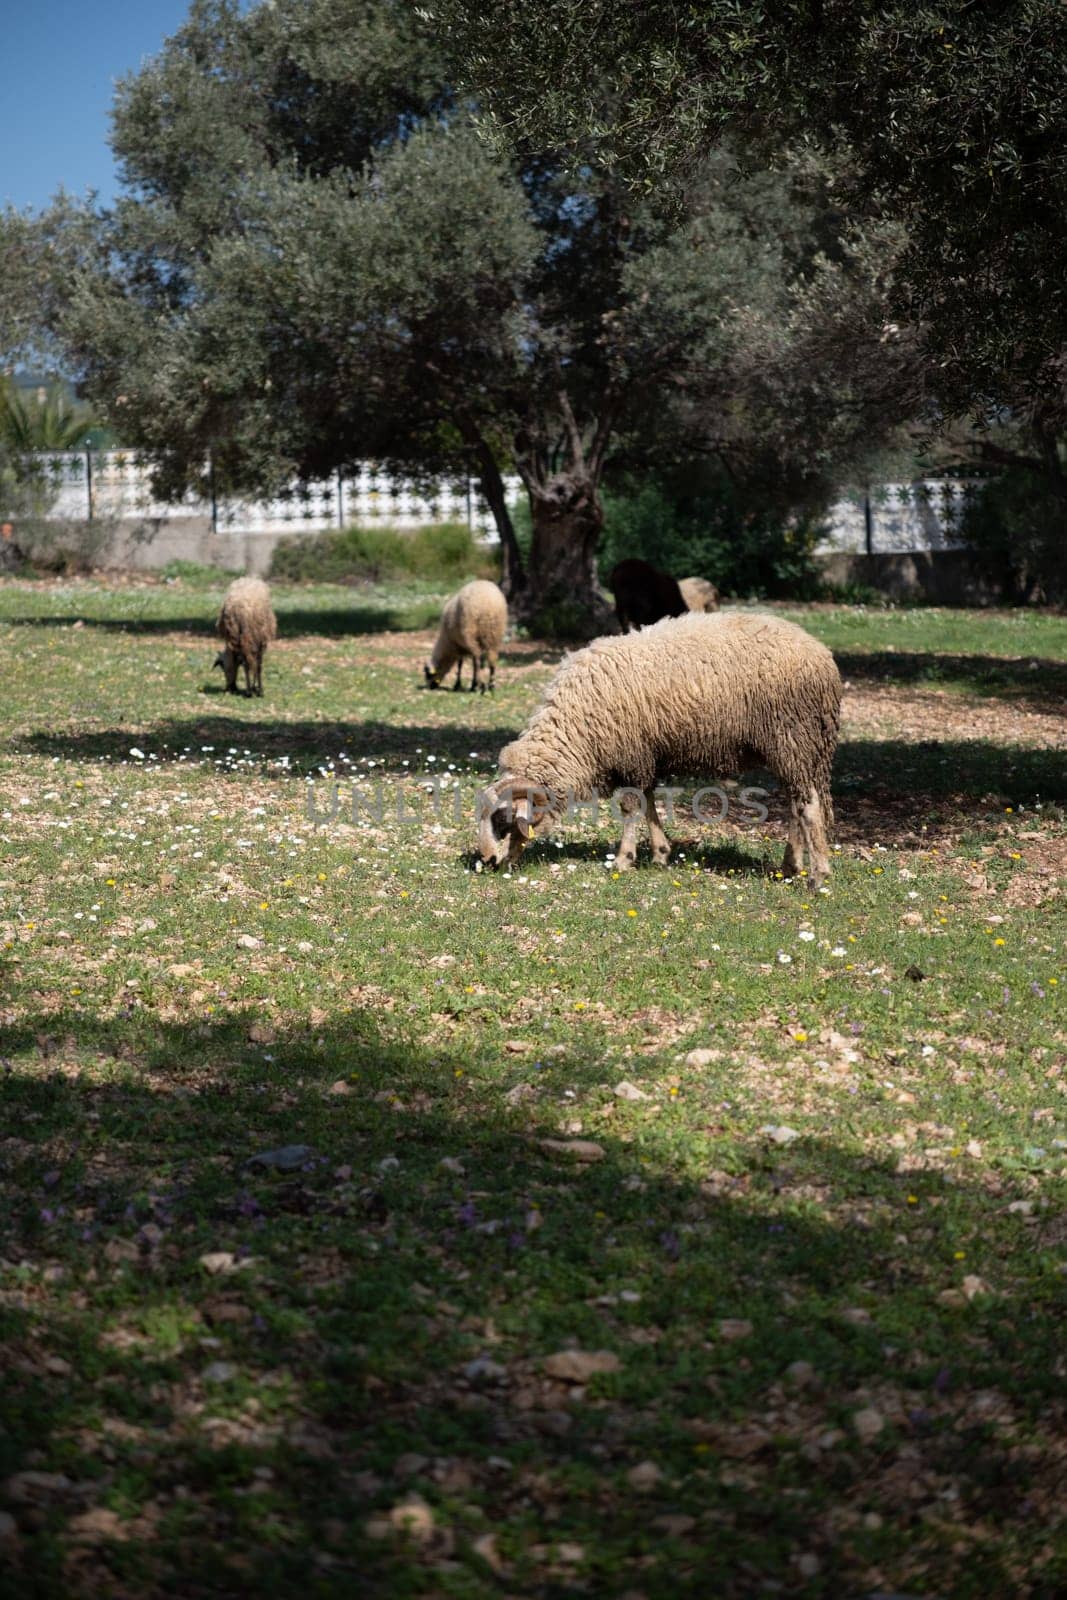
column 50, row 421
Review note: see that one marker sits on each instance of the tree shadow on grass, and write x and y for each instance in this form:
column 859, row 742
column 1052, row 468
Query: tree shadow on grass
column 1039, row 681
column 293, row 622
column 308, row 744
column 378, row 1320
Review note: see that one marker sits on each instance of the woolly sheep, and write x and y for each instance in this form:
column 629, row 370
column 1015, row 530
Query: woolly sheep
column 695, row 696
column 246, row 626
column 473, row 625
column 699, row 594
column 643, row 594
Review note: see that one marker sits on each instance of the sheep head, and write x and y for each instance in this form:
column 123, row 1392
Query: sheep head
column 432, row 676
column 509, row 811
column 227, row 662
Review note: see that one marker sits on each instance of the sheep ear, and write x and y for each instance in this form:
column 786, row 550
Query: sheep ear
column 534, row 795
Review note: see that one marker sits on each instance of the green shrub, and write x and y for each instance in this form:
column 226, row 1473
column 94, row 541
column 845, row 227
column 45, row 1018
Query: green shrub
column 695, row 525
column 1017, row 528
column 442, row 553
column 699, row 526
column 197, row 574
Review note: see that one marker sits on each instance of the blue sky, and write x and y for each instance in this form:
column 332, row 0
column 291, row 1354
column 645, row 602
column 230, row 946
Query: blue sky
column 61, row 59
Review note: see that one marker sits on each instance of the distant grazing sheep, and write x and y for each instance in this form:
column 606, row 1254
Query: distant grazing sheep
column 699, row 594
column 246, row 626
column 473, row 625
column 643, row 594
column 693, row 696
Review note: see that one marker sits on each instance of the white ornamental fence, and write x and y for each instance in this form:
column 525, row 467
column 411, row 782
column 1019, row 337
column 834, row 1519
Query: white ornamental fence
column 898, row 518
column 82, row 485
column 86, row 485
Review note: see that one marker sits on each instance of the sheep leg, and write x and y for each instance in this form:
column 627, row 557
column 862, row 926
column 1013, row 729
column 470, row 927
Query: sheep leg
column 813, row 827
column 794, row 850
column 627, row 853
column 493, row 658
column 661, row 845
column 459, row 674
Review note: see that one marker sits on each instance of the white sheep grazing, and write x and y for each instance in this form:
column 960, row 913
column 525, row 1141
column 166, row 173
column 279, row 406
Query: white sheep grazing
column 246, row 626
column 699, row 594
column 473, row 625
column 690, row 697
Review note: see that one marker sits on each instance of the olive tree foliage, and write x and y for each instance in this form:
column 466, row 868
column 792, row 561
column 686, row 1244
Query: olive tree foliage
column 953, row 114
column 318, row 258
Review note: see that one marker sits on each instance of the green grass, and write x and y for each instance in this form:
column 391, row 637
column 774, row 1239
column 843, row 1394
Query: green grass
column 861, row 1174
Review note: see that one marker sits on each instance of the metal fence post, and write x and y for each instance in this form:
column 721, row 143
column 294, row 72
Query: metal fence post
column 868, row 522
column 214, row 497
column 89, row 479
column 340, row 498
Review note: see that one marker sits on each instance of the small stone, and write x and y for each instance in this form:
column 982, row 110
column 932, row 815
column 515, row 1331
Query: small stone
column 33, row 1487
column 248, row 941
column 629, row 1091
column 578, row 1366
column 780, row 1134
column 974, row 1286
column 413, row 1517
column 119, row 1251
column 556, row 1423
column 219, row 1372
column 452, row 1164
column 868, row 1423
column 583, row 1150
column 645, row 1476
column 802, row 1373
column 734, row 1328
column 953, row 1298
column 807, row 1565
column 340, row 1087
column 485, row 1548
column 674, row 1524
column 518, row 1047
column 484, row 1370
column 90, row 1527
column 702, row 1057
column 219, row 1262
column 856, row 1315
column 287, row 1158
column 571, row 1553
column 410, row 1465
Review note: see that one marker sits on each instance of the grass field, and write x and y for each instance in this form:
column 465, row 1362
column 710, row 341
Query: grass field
column 686, row 1233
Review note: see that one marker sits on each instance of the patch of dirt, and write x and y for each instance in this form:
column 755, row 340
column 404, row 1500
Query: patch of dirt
column 942, row 716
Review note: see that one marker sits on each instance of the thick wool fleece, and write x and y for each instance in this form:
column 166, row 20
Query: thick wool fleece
column 699, row 594
column 473, row 624
column 246, row 622
column 692, row 696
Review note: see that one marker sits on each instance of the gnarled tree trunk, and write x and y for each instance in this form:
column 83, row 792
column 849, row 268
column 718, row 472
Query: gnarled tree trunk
column 567, row 522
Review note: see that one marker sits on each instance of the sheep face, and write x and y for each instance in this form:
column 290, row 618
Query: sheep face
column 433, row 678
column 508, row 814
